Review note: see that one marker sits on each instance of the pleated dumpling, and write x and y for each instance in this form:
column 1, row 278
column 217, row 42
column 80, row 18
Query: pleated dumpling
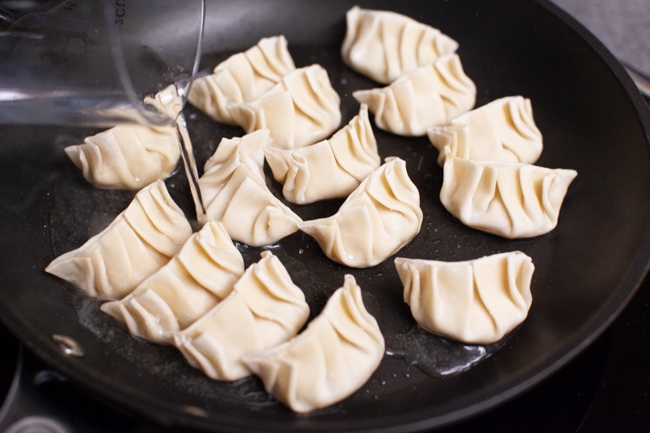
column 242, row 77
column 509, row 199
column 300, row 110
column 381, row 216
column 235, row 192
column 344, row 161
column 384, row 45
column 131, row 156
column 334, row 357
column 196, row 279
column 138, row 242
column 264, row 309
column 503, row 130
column 476, row 302
column 430, row 95
column 231, row 152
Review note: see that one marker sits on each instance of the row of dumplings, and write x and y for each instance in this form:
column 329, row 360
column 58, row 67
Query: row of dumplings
column 490, row 180
column 192, row 290
column 428, row 93
column 171, row 286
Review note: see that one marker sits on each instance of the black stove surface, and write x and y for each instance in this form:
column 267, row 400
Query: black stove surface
column 605, row 389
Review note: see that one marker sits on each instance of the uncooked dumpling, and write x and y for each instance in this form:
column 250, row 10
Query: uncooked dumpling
column 330, row 168
column 430, row 95
column 242, row 77
column 334, row 357
column 380, row 217
column 131, row 156
column 247, row 150
column 384, row 45
column 503, row 130
column 264, row 309
column 138, row 242
column 300, row 110
column 191, row 283
column 475, row 302
column 235, row 192
column 509, row 199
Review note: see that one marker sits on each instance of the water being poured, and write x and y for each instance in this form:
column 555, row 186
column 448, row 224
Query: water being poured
column 191, row 172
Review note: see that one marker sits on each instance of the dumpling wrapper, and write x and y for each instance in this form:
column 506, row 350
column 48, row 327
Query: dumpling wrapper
column 138, row 242
column 430, row 95
column 242, row 77
column 476, row 301
column 503, row 130
column 331, row 168
column 376, row 220
column 301, row 109
column 264, row 309
column 235, row 192
column 131, row 156
column 384, row 45
column 232, row 152
column 327, row 362
column 196, row 279
column 509, row 199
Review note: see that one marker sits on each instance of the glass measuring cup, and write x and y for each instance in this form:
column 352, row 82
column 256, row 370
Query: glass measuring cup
column 101, row 63
column 80, row 62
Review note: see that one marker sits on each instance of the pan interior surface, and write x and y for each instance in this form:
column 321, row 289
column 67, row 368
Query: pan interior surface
column 586, row 269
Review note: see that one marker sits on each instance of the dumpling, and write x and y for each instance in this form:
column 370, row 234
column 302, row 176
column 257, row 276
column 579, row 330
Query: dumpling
column 138, row 242
column 235, row 192
column 344, row 161
column 242, row 77
column 381, row 216
column 247, row 150
column 509, row 199
column 476, row 302
column 503, row 130
column 264, row 309
column 300, row 110
column 191, row 283
column 337, row 353
column 385, row 45
column 131, row 156
column 430, row 95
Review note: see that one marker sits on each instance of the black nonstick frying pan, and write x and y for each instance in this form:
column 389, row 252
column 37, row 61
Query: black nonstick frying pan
column 592, row 118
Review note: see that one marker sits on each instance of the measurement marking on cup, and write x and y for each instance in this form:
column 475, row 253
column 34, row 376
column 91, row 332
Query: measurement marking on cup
column 120, row 11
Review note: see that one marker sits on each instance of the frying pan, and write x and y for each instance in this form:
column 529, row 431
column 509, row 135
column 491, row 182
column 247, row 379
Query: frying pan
column 592, row 118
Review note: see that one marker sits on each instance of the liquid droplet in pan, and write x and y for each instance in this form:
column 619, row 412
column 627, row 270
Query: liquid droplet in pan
column 434, row 355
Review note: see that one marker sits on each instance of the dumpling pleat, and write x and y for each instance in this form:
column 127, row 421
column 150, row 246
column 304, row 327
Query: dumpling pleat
column 235, row 193
column 385, row 45
column 345, row 160
column 175, row 296
column 139, row 241
column 381, row 216
column 503, row 130
column 331, row 359
column 131, row 156
column 512, row 200
column 426, row 97
column 243, row 77
column 264, row 309
column 300, row 110
column 155, row 219
column 476, row 301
